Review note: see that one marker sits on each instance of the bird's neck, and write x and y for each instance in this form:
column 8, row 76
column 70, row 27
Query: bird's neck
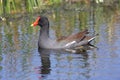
column 44, row 32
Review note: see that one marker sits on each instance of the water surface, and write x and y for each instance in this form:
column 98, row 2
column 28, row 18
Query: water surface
column 21, row 60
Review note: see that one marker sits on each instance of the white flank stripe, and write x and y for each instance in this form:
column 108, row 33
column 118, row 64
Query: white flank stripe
column 91, row 39
column 70, row 43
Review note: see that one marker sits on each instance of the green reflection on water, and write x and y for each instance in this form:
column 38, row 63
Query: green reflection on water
column 0, row 68
column 1, row 58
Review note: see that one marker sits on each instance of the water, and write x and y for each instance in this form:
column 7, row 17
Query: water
column 21, row 60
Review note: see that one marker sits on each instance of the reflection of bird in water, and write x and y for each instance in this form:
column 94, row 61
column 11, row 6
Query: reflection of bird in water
column 45, row 60
column 45, row 68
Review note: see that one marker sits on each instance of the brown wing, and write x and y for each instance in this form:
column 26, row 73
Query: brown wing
column 88, row 37
column 79, row 36
column 61, row 38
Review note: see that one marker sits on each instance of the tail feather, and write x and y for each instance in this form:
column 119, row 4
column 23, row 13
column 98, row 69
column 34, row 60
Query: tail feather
column 85, row 42
column 74, row 44
column 92, row 38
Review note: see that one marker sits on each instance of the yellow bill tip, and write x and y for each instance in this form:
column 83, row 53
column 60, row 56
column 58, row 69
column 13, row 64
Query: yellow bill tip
column 31, row 24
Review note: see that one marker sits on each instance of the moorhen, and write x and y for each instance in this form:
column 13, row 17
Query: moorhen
column 70, row 42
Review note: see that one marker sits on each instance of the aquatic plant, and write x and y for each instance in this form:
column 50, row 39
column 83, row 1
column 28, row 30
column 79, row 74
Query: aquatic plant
column 19, row 6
